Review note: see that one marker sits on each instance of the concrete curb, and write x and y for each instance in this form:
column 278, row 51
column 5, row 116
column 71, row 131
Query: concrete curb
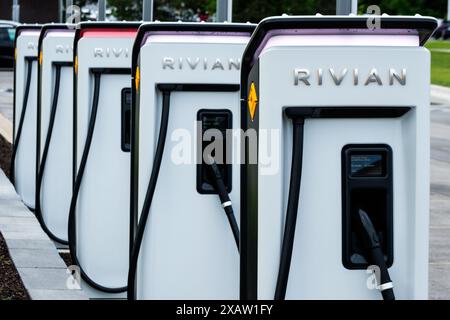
column 42, row 270
column 440, row 94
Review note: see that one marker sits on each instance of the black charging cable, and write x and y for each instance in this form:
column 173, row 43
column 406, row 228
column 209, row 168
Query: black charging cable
column 370, row 237
column 40, row 173
column 375, row 255
column 292, row 208
column 134, row 258
column 76, row 190
column 224, row 199
column 21, row 120
column 140, row 230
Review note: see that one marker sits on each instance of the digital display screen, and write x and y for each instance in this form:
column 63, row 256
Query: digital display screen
column 219, row 122
column 127, row 98
column 367, row 165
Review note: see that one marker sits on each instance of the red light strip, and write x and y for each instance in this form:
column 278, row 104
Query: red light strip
column 108, row 33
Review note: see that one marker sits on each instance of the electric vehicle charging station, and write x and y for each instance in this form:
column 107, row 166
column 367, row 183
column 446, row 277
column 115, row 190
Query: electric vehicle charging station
column 54, row 129
column 349, row 181
column 185, row 245
column 23, row 168
column 99, row 210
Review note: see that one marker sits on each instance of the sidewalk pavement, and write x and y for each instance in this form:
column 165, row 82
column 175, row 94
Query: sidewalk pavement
column 6, row 94
column 439, row 265
column 440, row 95
column 42, row 270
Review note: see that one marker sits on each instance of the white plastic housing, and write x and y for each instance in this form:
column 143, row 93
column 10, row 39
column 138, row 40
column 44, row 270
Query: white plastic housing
column 316, row 270
column 188, row 250
column 56, row 187
column 25, row 161
column 103, row 210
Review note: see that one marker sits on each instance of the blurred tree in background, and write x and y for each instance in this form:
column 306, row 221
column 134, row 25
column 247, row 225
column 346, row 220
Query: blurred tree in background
column 126, row 9
column 435, row 8
column 185, row 10
column 164, row 10
column 255, row 10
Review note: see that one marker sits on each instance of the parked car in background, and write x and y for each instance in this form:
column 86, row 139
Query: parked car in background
column 7, row 35
column 443, row 31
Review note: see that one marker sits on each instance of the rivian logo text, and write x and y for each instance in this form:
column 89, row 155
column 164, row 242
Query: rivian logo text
column 359, row 77
column 64, row 49
column 197, row 63
column 111, row 52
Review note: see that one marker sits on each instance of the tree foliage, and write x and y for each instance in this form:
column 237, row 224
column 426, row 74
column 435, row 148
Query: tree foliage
column 255, row 10
column 435, row 8
column 130, row 10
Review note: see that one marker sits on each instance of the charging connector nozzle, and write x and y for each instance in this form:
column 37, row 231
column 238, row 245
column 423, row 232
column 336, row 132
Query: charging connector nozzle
column 224, row 198
column 375, row 255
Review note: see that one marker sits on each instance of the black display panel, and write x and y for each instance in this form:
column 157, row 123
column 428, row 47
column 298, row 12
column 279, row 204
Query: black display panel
column 367, row 184
column 126, row 120
column 216, row 120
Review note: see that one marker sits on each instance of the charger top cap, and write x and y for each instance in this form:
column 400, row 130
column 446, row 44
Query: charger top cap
column 30, row 30
column 181, row 28
column 31, row 50
column 55, row 27
column 103, row 30
column 421, row 28
column 59, row 29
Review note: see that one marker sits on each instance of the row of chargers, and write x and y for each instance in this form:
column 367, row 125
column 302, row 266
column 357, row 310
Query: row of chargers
column 129, row 136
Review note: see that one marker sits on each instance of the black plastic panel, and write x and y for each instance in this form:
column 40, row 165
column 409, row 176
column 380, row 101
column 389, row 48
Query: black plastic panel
column 367, row 177
column 126, row 120
column 221, row 120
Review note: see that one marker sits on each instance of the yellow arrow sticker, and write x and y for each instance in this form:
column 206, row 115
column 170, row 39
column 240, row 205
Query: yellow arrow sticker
column 137, row 78
column 75, row 65
column 252, row 100
column 40, row 58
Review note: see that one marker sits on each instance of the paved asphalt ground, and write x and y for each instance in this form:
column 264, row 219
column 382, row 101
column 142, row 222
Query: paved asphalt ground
column 6, row 94
column 440, row 182
column 440, row 194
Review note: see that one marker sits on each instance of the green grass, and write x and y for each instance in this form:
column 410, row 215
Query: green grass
column 434, row 44
column 440, row 62
column 440, row 68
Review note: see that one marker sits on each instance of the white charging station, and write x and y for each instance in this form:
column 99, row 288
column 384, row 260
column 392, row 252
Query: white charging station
column 23, row 168
column 186, row 80
column 348, row 107
column 99, row 212
column 54, row 129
